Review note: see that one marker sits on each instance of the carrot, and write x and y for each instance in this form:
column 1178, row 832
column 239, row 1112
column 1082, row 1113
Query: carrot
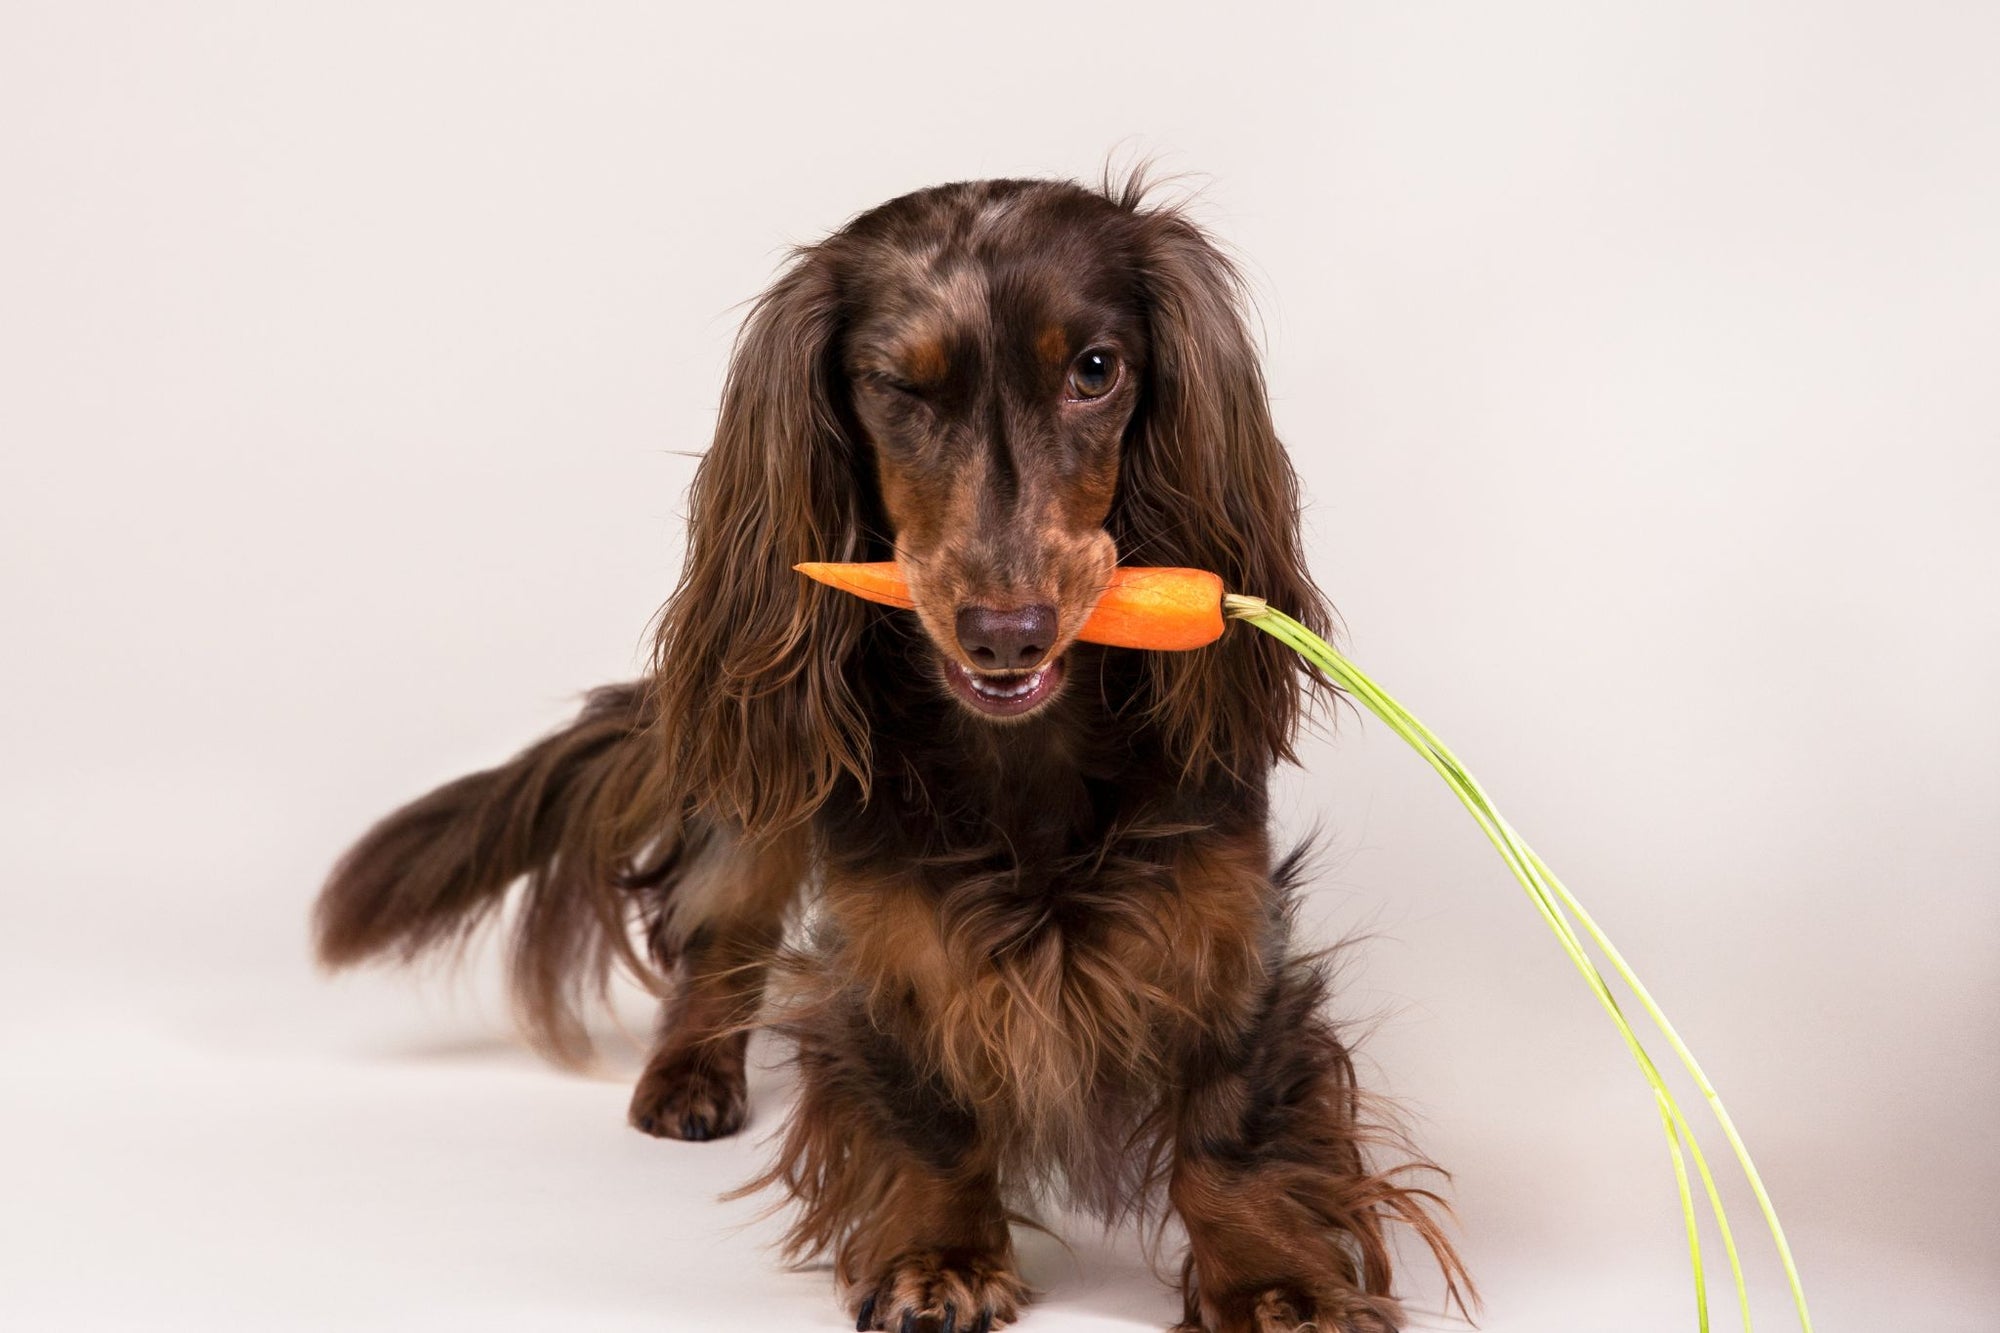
column 881, row 582
column 1159, row 608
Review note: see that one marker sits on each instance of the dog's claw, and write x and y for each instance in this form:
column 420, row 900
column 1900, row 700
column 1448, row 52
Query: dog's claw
column 689, row 1100
column 935, row 1291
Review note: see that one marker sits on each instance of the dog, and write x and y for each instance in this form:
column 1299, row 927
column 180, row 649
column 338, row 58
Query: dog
column 1043, row 943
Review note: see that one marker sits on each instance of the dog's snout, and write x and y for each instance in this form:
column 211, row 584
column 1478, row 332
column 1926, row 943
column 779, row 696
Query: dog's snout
column 1006, row 640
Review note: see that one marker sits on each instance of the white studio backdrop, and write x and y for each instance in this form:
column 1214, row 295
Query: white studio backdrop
column 1639, row 363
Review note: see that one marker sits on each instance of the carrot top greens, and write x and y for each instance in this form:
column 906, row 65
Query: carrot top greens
column 1563, row 913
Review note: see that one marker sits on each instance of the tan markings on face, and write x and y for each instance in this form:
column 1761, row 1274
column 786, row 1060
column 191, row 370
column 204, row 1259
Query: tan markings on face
column 1053, row 346
column 924, row 512
column 897, row 496
column 951, row 564
column 1088, row 499
column 944, row 578
column 925, row 360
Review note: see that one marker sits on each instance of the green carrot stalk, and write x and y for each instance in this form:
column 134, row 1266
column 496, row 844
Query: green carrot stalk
column 1557, row 906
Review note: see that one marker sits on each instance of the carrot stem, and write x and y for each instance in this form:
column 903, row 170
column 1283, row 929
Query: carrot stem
column 1557, row 905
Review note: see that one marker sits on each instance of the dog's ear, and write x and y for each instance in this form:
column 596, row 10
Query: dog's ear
column 750, row 667
column 1205, row 483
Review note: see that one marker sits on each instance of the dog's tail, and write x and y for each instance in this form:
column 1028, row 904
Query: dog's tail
column 570, row 815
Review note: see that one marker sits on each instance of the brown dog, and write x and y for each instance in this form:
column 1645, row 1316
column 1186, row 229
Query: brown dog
column 1051, row 950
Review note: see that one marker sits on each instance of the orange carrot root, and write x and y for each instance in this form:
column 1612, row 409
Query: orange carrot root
column 1160, row 608
column 882, row 582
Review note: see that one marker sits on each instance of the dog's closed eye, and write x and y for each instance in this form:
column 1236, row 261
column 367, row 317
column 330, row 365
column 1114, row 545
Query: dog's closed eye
column 888, row 382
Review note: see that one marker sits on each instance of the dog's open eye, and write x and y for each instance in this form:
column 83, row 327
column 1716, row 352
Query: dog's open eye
column 1093, row 374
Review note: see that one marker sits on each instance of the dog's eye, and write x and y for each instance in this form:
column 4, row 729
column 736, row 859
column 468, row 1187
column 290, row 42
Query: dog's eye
column 883, row 382
column 1093, row 374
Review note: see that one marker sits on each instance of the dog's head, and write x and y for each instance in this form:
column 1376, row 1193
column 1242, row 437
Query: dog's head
column 1010, row 386
column 995, row 354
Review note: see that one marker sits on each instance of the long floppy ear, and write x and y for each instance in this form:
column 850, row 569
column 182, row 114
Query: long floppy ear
column 1206, row 483
column 749, row 674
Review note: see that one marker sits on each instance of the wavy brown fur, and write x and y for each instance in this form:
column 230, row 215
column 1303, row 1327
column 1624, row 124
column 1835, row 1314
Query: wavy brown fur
column 564, row 818
column 1053, row 953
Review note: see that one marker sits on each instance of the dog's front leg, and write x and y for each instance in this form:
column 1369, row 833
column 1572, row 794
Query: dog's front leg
column 1285, row 1222
column 895, row 1177
column 717, row 909
column 695, row 1085
column 932, row 1255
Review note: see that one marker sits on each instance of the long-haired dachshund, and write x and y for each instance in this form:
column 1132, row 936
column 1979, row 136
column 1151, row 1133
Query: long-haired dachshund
column 1048, row 948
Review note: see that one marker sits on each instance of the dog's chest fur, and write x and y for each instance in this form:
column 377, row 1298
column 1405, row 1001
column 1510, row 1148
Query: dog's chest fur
column 1035, row 916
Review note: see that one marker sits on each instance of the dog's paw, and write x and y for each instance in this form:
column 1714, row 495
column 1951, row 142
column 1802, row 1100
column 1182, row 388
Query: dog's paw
column 690, row 1098
column 1278, row 1310
column 932, row 1291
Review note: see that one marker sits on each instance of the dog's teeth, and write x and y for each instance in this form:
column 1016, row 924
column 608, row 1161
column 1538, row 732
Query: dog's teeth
column 1018, row 688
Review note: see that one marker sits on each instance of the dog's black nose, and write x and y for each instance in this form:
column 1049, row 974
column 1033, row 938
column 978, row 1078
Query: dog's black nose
column 1006, row 640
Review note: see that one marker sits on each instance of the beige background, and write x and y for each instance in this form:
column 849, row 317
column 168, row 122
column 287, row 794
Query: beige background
column 1640, row 363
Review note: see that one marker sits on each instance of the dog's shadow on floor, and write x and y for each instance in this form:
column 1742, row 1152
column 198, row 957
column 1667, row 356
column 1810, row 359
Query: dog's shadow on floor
column 450, row 1050
column 1081, row 1271
column 618, row 1054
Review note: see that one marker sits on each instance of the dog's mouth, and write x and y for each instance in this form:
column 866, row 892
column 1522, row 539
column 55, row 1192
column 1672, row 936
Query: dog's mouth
column 1005, row 693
